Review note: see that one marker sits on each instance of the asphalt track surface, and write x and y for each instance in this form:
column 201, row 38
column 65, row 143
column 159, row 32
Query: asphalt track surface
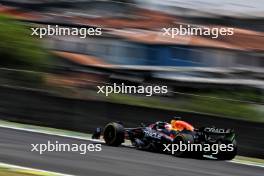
column 111, row 161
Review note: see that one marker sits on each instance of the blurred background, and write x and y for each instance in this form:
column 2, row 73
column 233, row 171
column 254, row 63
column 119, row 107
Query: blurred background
column 52, row 81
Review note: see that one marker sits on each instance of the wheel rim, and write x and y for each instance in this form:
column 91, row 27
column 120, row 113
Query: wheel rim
column 177, row 140
column 109, row 134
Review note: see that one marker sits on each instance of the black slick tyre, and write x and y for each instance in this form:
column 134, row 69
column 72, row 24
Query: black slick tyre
column 114, row 134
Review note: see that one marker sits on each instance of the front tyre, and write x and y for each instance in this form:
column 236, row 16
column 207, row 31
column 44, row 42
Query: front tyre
column 114, row 134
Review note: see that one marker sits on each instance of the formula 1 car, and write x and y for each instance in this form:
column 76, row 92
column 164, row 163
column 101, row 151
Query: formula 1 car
column 163, row 136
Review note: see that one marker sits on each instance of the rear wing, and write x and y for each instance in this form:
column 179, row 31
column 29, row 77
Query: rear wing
column 218, row 133
column 213, row 130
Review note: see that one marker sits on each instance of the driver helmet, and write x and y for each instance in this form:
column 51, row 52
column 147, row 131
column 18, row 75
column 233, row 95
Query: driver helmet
column 168, row 126
column 163, row 125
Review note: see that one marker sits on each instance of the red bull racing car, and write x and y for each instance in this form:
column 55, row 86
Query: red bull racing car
column 177, row 137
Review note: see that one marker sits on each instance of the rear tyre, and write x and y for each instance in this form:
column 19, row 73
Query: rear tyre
column 228, row 155
column 182, row 139
column 114, row 134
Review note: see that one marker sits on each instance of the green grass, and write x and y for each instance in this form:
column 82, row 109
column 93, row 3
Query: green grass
column 19, row 171
column 230, row 109
column 218, row 107
column 254, row 160
column 9, row 172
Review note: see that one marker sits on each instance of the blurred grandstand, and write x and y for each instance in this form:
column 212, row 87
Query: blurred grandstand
column 132, row 48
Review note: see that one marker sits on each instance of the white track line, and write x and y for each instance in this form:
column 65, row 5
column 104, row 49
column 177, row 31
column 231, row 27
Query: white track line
column 48, row 133
column 32, row 169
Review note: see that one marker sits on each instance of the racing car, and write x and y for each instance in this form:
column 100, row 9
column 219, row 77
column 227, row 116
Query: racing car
column 162, row 136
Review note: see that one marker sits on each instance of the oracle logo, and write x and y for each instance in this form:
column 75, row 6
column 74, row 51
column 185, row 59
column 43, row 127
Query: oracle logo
column 217, row 130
